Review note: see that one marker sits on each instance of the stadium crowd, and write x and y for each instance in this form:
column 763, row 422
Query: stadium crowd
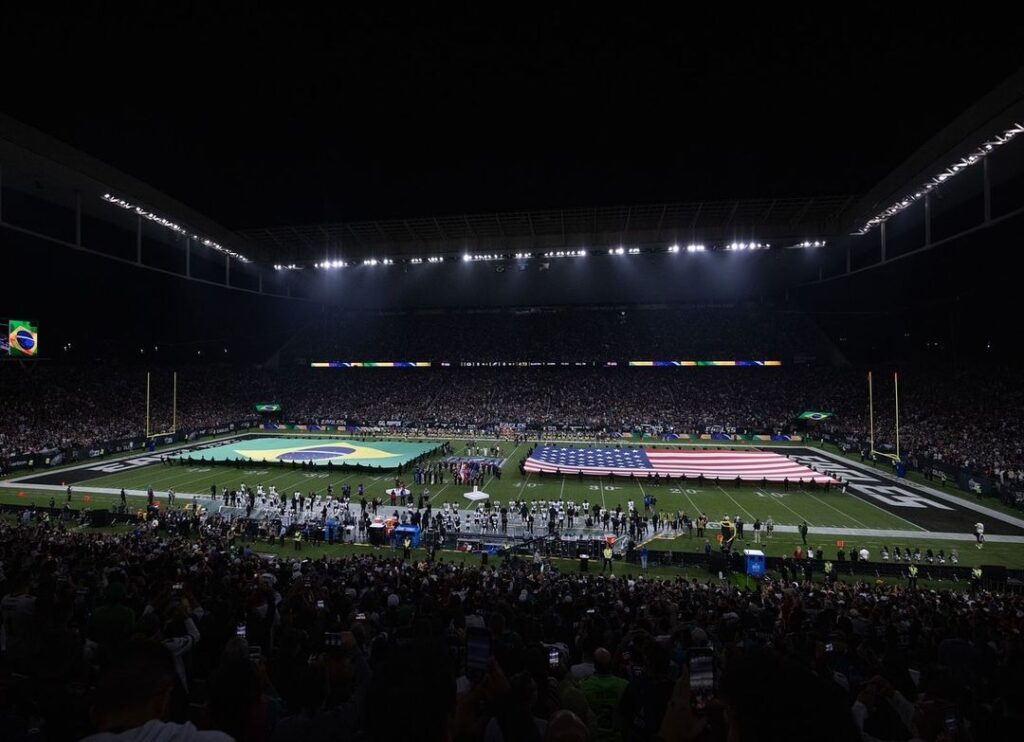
column 563, row 334
column 969, row 419
column 141, row 636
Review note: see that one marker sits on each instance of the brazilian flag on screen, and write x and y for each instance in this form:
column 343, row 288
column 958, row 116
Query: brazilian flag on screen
column 809, row 415
column 23, row 337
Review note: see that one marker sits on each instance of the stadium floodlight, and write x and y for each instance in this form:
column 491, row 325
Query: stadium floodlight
column 693, row 247
column 972, row 158
column 415, row 261
column 633, row 250
column 673, row 249
column 557, row 254
column 466, row 258
column 205, row 241
column 438, row 259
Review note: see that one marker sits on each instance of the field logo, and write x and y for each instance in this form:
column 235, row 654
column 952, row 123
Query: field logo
column 867, row 484
column 119, row 466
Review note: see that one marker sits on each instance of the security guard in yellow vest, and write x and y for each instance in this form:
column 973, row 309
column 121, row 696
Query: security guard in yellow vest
column 607, row 554
column 912, row 580
column 828, row 573
column 406, row 547
column 976, row 578
column 298, row 540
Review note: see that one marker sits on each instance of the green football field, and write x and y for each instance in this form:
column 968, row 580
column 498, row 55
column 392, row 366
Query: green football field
column 786, row 508
column 819, row 509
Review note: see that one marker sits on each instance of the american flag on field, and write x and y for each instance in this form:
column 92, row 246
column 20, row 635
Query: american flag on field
column 751, row 466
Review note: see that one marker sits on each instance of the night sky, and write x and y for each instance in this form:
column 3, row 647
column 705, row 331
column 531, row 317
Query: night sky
column 269, row 120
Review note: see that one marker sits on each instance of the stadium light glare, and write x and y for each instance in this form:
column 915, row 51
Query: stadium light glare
column 557, row 254
column 415, row 261
column 938, row 179
column 205, row 241
column 436, row 259
column 633, row 250
column 673, row 249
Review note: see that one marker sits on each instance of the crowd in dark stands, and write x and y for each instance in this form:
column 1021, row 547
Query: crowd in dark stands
column 969, row 419
column 563, row 334
column 144, row 636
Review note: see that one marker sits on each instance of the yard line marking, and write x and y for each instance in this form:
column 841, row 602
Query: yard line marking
column 696, row 510
column 562, row 488
column 769, row 494
column 523, row 484
column 170, row 477
column 500, row 466
column 737, row 503
column 841, row 512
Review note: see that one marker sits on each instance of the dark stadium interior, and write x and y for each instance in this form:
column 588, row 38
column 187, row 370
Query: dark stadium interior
column 641, row 240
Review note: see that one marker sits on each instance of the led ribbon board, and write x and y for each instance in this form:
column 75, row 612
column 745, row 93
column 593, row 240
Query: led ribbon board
column 704, row 363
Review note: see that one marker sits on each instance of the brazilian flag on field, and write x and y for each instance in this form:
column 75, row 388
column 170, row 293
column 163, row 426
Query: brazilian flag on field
column 23, row 337
column 809, row 415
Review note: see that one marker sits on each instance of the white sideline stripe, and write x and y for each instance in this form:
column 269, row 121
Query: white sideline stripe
column 814, row 532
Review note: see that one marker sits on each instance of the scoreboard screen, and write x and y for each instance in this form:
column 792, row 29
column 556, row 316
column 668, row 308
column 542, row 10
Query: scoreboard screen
column 19, row 338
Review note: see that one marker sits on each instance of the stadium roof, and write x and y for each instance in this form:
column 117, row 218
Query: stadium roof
column 54, row 171
column 966, row 136
column 779, row 220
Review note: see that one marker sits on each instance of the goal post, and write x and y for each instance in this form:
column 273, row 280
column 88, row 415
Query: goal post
column 174, row 408
column 895, row 457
